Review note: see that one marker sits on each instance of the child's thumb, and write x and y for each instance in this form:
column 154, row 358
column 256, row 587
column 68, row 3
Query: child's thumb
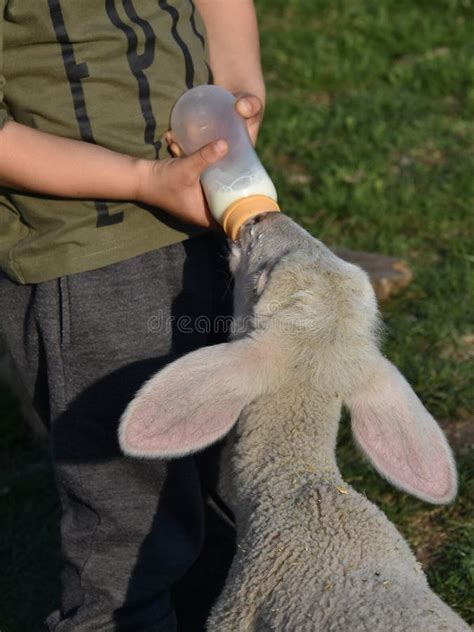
column 206, row 156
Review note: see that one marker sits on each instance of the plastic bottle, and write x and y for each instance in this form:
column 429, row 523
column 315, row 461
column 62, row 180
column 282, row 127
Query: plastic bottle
column 237, row 187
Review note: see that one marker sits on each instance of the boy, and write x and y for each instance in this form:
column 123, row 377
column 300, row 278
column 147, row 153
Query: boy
column 94, row 221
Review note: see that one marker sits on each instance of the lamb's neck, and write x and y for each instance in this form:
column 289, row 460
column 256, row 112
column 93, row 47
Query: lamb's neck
column 283, row 437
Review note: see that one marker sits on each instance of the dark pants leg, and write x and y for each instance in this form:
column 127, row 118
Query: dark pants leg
column 85, row 343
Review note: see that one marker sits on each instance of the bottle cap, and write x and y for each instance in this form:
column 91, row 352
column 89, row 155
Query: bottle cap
column 242, row 210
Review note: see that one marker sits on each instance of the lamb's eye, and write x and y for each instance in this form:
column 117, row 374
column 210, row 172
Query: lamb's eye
column 261, row 280
column 263, row 274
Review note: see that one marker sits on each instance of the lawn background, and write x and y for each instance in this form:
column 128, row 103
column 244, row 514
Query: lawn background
column 369, row 137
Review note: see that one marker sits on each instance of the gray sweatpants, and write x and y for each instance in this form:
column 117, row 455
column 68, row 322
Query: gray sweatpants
column 84, row 344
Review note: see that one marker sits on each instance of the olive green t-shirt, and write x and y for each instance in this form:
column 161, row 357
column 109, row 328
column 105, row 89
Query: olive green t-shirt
column 106, row 72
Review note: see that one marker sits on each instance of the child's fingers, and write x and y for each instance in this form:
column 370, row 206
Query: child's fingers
column 198, row 162
column 173, row 145
column 248, row 105
column 176, row 150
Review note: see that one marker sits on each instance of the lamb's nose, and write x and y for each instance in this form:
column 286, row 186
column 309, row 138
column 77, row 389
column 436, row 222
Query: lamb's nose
column 256, row 219
column 252, row 221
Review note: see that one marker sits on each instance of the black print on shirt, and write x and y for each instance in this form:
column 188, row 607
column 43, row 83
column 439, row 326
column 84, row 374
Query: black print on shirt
column 188, row 60
column 201, row 39
column 138, row 62
column 76, row 73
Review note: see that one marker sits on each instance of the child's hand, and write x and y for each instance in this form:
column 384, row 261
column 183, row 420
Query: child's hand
column 250, row 108
column 182, row 195
column 173, row 184
column 35, row 161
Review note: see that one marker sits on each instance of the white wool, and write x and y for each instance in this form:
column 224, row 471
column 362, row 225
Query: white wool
column 313, row 554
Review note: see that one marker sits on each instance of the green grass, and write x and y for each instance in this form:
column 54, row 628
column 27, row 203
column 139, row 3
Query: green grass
column 369, row 137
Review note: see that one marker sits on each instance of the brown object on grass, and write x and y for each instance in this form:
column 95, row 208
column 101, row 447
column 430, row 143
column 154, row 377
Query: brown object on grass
column 388, row 275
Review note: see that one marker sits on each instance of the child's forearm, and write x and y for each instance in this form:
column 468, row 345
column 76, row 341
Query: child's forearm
column 43, row 163
column 234, row 48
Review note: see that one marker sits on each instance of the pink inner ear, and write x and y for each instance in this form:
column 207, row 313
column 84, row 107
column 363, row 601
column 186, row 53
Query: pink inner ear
column 158, row 430
column 194, row 401
column 401, row 438
column 419, row 465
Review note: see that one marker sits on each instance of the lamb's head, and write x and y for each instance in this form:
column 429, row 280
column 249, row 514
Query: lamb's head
column 307, row 319
column 318, row 312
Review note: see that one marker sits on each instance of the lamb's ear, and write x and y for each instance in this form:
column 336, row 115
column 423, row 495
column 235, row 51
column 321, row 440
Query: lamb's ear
column 400, row 437
column 194, row 401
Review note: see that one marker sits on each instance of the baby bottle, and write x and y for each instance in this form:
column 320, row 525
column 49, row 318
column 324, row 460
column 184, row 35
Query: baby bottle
column 237, row 187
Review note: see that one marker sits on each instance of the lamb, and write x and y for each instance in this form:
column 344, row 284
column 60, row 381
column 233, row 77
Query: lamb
column 313, row 554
